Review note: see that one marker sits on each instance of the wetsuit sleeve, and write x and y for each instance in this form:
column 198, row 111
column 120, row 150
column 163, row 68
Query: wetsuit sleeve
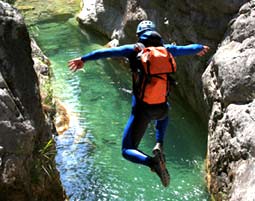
column 176, row 50
column 121, row 51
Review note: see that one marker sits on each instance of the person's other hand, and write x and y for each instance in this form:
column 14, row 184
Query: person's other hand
column 203, row 51
column 75, row 64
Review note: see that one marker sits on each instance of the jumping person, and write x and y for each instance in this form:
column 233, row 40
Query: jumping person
column 143, row 112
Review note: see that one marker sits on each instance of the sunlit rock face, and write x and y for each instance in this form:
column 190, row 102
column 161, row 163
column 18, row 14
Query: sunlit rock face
column 229, row 89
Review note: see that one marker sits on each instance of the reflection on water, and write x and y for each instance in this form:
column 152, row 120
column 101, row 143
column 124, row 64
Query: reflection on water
column 88, row 154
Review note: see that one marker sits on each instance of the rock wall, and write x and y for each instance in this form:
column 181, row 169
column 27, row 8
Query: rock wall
column 229, row 88
column 25, row 136
column 181, row 22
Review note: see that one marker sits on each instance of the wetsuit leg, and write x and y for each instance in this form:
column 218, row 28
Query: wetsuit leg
column 133, row 133
column 161, row 126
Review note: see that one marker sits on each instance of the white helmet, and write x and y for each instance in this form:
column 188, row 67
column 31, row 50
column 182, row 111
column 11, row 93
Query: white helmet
column 145, row 25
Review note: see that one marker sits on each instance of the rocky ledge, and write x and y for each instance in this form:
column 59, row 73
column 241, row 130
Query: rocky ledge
column 27, row 167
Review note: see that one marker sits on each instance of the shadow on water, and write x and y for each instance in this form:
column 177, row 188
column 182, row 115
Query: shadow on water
column 88, row 154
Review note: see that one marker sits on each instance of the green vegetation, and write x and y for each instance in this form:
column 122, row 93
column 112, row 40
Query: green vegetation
column 47, row 91
column 44, row 162
column 47, row 156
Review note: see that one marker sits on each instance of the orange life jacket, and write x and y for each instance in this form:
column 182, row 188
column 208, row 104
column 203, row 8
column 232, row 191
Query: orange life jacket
column 154, row 79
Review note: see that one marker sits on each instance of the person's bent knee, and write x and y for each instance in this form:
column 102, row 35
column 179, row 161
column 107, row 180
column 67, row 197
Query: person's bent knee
column 124, row 153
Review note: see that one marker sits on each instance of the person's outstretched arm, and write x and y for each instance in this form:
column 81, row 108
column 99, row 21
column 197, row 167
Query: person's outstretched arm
column 122, row 51
column 192, row 49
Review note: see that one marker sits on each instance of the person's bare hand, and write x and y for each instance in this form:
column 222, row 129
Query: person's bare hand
column 75, row 64
column 203, row 51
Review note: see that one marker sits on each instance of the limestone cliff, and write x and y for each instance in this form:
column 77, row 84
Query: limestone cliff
column 219, row 87
column 27, row 168
column 229, row 88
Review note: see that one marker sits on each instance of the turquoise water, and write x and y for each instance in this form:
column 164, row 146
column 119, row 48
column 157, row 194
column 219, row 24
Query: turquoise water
column 88, row 154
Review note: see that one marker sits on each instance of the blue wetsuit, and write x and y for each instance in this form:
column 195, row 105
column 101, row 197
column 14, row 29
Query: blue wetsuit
column 141, row 113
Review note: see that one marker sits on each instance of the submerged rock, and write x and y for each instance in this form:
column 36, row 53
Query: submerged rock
column 36, row 11
column 24, row 132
